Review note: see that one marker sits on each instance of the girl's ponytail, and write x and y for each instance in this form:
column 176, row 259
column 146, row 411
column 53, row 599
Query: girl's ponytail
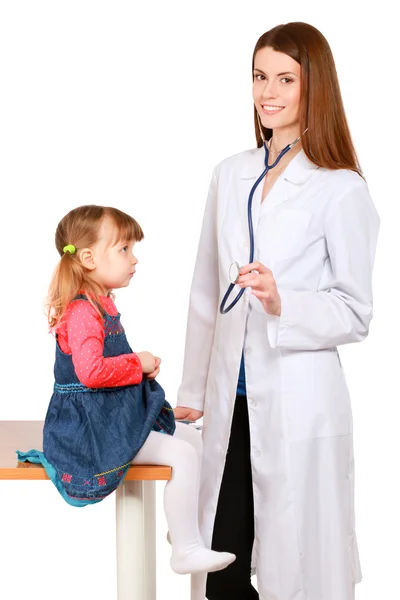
column 69, row 278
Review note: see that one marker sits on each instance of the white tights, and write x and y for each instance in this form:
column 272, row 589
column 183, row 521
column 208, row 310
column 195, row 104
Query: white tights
column 182, row 452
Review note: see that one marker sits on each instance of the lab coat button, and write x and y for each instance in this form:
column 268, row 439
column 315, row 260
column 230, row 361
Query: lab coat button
column 256, row 452
column 247, row 351
column 253, row 402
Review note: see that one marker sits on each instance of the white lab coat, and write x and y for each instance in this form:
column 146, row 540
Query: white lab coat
column 317, row 231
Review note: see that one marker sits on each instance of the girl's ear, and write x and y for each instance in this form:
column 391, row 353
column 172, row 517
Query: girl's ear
column 86, row 257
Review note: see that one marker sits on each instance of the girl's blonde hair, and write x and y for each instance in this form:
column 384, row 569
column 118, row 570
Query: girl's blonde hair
column 81, row 228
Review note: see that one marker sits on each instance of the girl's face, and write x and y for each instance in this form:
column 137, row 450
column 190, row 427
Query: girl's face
column 276, row 90
column 111, row 262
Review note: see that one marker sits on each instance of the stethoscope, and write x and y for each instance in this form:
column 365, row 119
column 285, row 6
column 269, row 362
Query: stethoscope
column 234, row 269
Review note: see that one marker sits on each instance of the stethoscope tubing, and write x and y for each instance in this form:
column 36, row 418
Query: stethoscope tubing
column 222, row 308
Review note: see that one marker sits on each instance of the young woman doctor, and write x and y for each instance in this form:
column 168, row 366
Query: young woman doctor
column 277, row 473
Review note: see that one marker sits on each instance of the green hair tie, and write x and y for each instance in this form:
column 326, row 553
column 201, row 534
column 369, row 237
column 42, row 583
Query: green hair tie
column 70, row 248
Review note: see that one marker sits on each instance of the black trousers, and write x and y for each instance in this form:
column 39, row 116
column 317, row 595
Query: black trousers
column 234, row 521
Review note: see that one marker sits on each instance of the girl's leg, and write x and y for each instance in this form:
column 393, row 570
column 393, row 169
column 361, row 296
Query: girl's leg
column 181, row 503
column 192, row 436
column 183, row 432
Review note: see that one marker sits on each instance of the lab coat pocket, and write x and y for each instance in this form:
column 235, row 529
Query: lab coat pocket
column 316, row 396
column 284, row 233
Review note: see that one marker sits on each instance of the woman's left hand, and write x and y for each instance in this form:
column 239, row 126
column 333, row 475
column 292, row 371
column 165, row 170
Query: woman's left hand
column 156, row 371
column 263, row 286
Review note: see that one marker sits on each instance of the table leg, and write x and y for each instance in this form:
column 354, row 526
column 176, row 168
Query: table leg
column 136, row 540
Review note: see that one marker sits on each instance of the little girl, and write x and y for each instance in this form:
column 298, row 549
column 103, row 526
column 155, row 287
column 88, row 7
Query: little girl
column 107, row 410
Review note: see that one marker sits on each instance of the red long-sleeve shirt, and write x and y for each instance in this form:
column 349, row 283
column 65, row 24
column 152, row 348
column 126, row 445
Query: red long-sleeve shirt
column 81, row 334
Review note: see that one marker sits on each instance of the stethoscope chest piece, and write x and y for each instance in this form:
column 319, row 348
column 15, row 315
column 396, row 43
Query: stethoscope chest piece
column 234, row 272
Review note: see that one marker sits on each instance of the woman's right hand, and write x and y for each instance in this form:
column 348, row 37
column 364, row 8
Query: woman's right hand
column 148, row 361
column 188, row 414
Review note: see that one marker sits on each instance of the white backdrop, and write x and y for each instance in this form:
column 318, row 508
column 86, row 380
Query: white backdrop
column 132, row 104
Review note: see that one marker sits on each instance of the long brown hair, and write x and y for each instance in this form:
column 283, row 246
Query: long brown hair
column 81, row 228
column 327, row 142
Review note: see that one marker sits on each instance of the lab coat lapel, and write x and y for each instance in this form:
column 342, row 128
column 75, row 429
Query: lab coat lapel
column 287, row 186
column 251, row 171
column 237, row 244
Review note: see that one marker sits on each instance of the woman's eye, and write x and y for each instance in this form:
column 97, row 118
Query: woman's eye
column 286, row 80
column 259, row 77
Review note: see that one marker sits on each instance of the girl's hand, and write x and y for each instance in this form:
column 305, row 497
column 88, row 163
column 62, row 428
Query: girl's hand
column 148, row 362
column 263, row 286
column 189, row 414
column 156, row 371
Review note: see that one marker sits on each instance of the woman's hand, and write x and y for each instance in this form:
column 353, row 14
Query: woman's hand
column 188, row 414
column 263, row 286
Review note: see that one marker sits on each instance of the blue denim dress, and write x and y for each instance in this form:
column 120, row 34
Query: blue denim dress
column 90, row 436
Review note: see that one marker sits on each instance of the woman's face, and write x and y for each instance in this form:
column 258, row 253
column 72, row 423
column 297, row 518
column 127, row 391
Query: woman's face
column 276, row 90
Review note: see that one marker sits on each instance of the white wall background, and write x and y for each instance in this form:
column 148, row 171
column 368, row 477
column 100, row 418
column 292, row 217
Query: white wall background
column 132, row 104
